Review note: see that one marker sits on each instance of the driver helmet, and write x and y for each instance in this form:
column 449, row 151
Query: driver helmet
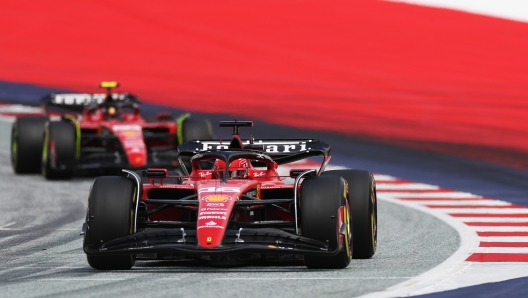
column 112, row 111
column 237, row 169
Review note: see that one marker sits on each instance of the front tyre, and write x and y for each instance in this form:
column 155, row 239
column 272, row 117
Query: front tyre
column 364, row 206
column 322, row 199
column 111, row 215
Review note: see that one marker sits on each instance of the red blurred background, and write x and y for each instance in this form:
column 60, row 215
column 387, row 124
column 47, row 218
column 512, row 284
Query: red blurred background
column 423, row 77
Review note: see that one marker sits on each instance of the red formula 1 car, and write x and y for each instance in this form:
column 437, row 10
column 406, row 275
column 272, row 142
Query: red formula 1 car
column 98, row 131
column 239, row 210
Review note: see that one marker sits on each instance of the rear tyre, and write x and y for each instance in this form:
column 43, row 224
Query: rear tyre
column 196, row 129
column 111, row 215
column 321, row 198
column 364, row 208
column 59, row 150
column 26, row 144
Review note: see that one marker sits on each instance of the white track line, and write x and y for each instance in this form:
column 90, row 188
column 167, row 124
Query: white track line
column 381, row 178
column 494, row 219
column 405, row 186
column 465, row 203
column 483, row 210
column 500, row 229
column 8, row 225
column 503, row 250
column 427, row 195
column 518, row 239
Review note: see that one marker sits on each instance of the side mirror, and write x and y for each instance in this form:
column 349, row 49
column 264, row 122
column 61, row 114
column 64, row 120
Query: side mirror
column 294, row 173
column 155, row 173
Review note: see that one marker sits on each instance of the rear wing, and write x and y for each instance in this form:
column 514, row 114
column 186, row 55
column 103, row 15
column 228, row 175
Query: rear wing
column 77, row 102
column 282, row 151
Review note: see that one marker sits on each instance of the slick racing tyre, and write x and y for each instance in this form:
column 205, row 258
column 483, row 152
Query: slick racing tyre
column 321, row 198
column 26, row 144
column 59, row 150
column 111, row 215
column 196, row 129
column 364, row 206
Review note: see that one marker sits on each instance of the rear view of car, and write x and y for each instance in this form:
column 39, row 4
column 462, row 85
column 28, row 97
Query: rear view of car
column 86, row 132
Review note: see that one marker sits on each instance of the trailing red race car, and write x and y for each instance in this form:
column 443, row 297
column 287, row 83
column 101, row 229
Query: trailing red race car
column 239, row 210
column 98, row 131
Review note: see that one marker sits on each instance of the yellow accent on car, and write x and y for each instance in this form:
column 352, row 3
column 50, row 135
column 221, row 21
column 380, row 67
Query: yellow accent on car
column 217, row 198
column 347, row 234
column 109, row 84
column 77, row 125
column 179, row 123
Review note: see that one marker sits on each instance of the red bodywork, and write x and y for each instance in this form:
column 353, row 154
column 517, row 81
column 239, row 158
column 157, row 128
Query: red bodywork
column 129, row 131
column 112, row 132
column 216, row 200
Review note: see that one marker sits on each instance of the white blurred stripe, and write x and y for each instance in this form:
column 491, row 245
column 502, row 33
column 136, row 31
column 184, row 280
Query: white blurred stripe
column 465, row 203
column 19, row 109
column 405, row 186
column 493, row 219
column 332, row 167
column 500, row 229
column 381, row 177
column 511, row 250
column 484, row 210
column 504, row 239
column 432, row 195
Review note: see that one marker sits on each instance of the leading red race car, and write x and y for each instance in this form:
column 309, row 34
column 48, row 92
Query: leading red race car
column 239, row 210
column 80, row 132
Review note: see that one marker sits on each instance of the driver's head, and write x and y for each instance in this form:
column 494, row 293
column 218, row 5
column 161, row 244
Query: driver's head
column 111, row 111
column 237, row 169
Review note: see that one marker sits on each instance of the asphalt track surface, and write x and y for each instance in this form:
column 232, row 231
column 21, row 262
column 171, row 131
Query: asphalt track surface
column 41, row 252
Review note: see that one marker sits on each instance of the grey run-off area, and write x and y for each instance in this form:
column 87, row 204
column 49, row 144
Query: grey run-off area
column 41, row 252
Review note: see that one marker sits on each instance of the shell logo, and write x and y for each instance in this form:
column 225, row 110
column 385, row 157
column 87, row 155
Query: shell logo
column 217, row 198
column 130, row 133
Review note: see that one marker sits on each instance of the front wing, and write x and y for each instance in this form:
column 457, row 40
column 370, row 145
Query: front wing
column 270, row 241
